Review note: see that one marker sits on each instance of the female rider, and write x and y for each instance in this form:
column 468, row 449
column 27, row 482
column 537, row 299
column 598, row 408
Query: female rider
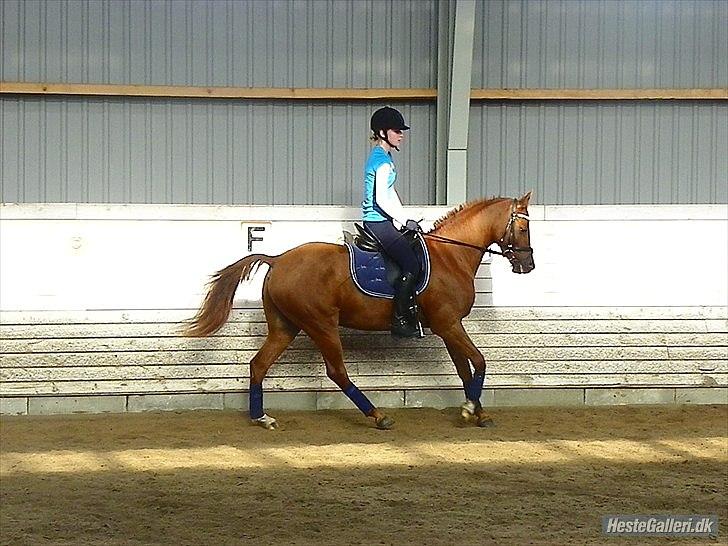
column 384, row 216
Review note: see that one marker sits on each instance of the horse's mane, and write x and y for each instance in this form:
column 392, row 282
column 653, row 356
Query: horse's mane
column 479, row 203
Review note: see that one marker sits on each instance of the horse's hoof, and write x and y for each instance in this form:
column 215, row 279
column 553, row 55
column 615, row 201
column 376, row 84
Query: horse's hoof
column 467, row 410
column 485, row 422
column 267, row 422
column 385, row 423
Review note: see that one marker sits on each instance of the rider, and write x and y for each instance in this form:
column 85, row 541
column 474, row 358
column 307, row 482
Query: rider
column 384, row 217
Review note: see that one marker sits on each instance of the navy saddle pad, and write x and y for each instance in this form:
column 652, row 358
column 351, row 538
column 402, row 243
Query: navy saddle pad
column 374, row 274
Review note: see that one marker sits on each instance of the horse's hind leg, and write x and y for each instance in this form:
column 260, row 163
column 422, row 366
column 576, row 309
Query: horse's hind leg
column 280, row 334
column 326, row 338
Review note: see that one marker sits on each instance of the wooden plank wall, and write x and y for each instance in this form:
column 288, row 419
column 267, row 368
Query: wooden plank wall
column 142, row 352
column 578, row 349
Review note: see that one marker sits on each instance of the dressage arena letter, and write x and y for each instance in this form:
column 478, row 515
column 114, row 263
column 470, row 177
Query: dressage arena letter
column 252, row 230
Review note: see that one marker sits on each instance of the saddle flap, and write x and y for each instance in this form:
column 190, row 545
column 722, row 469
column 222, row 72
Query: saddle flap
column 374, row 273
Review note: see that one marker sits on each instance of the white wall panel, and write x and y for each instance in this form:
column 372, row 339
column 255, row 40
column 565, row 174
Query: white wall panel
column 159, row 257
column 621, row 298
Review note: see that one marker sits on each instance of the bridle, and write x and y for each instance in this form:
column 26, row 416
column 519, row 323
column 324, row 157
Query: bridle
column 508, row 250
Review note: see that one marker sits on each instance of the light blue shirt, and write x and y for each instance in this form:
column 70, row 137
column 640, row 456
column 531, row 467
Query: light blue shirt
column 371, row 212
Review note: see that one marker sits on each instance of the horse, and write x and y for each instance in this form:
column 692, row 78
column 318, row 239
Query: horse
column 456, row 246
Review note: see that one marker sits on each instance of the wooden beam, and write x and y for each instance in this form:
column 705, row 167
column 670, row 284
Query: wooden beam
column 599, row 94
column 303, row 93
column 263, row 93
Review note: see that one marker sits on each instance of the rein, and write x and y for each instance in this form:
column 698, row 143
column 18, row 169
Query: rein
column 461, row 243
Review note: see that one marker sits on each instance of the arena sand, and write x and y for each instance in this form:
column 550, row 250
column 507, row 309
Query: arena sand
column 541, row 476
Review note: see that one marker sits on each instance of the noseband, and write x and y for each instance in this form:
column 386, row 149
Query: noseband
column 508, row 250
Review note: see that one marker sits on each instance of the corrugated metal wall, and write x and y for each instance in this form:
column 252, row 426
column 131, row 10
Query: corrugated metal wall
column 593, row 44
column 601, row 152
column 191, row 151
column 597, row 152
column 269, row 152
column 199, row 151
column 240, row 43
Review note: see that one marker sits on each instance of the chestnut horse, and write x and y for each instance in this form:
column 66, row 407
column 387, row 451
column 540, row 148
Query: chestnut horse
column 309, row 288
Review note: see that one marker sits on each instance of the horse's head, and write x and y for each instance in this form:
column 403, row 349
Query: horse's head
column 516, row 241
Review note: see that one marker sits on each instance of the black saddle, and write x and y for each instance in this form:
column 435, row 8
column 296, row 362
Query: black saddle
column 365, row 240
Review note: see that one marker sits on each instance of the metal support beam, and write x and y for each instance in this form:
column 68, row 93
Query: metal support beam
column 455, row 62
column 444, row 47
column 462, row 67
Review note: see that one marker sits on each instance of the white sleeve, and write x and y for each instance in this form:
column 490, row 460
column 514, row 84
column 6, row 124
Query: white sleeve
column 386, row 198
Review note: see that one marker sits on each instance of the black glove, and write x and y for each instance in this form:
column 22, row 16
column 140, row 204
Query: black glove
column 413, row 225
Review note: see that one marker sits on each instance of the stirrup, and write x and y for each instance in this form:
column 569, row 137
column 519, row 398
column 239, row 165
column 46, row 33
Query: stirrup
column 406, row 329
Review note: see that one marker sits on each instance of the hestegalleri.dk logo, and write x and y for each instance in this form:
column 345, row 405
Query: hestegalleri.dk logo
column 661, row 525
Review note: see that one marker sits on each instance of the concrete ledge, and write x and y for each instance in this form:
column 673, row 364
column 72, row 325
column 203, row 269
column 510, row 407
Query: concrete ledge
column 171, row 402
column 235, row 401
column 311, row 400
column 539, row 397
column 712, row 395
column 48, row 405
column 13, row 406
column 441, row 399
column 382, row 399
column 273, row 401
column 288, row 400
column 628, row 396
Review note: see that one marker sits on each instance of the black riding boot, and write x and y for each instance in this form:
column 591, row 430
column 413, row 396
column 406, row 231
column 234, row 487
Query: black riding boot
column 404, row 319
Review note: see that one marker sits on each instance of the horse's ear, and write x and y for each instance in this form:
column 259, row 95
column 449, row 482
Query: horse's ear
column 525, row 199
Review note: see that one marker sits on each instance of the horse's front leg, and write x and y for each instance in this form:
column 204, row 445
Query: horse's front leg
column 462, row 365
column 463, row 352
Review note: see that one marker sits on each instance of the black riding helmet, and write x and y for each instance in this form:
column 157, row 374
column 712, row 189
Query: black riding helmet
column 387, row 118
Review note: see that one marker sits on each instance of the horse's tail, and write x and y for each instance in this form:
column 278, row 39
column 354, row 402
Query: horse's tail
column 218, row 303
